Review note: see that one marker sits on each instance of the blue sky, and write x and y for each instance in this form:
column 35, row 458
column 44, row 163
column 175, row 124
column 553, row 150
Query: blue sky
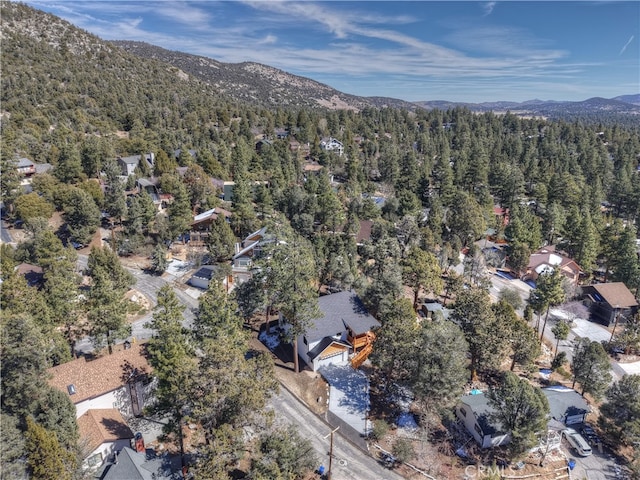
column 418, row 50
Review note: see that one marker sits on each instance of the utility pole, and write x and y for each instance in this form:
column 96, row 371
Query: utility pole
column 613, row 332
column 330, row 451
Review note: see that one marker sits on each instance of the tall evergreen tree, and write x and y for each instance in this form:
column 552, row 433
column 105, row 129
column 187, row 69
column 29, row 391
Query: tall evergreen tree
column 293, row 275
column 591, row 367
column 422, row 273
column 82, row 216
column 106, row 311
column 173, row 362
column 45, row 455
column 521, row 409
column 486, row 336
column 114, row 190
column 548, row 292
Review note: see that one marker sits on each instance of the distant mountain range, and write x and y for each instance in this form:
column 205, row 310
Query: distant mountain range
column 118, row 62
column 257, row 83
column 622, row 105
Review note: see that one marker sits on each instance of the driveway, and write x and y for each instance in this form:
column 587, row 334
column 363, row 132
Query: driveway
column 348, row 395
column 585, row 329
column 601, row 465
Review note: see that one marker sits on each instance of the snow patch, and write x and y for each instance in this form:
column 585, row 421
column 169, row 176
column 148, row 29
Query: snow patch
column 271, row 339
column 407, row 421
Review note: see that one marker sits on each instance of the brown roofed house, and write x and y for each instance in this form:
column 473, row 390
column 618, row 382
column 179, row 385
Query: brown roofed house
column 33, row 274
column 610, row 300
column 120, row 380
column 546, row 259
column 102, row 432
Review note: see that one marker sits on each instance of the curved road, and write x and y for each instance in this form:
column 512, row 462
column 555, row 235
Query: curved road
column 148, row 285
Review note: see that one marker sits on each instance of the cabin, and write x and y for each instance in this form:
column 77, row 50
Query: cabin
column 332, row 145
column 245, row 253
column 201, row 225
column 130, row 464
column 474, row 411
column 102, row 432
column 344, row 329
column 609, row 301
column 566, row 405
column 128, row 164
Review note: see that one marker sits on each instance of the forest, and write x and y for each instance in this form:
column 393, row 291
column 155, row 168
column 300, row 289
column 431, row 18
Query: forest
column 428, row 180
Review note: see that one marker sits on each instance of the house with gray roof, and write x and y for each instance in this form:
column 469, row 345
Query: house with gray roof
column 344, row 327
column 566, row 407
column 129, row 164
column 128, row 464
column 474, row 412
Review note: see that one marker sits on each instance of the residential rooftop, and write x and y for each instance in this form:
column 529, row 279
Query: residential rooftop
column 83, row 379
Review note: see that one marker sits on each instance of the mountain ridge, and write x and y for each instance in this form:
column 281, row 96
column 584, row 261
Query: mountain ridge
column 256, row 82
column 101, row 63
column 283, row 88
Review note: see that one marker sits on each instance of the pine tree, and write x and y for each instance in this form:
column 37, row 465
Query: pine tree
column 521, row 409
column 422, row 273
column 293, row 279
column 45, row 455
column 591, row 367
column 173, row 362
column 106, row 311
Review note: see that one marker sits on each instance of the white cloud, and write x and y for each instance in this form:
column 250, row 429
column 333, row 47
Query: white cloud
column 626, row 45
column 268, row 40
column 488, row 8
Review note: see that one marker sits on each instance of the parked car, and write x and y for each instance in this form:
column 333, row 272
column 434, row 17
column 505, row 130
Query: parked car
column 590, row 434
column 578, row 442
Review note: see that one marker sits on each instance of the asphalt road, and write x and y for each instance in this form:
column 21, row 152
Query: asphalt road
column 349, row 462
column 147, row 285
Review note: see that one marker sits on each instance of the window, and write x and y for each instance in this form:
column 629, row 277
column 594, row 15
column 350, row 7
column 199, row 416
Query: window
column 304, row 339
column 477, row 428
column 463, row 411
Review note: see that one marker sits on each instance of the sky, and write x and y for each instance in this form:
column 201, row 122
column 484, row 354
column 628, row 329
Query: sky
column 417, row 50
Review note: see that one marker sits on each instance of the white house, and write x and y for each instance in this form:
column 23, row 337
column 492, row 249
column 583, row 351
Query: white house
column 344, row 327
column 332, row 145
column 473, row 411
column 102, row 432
column 203, row 276
column 120, row 380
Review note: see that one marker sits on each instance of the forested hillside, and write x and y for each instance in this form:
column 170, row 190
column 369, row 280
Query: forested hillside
column 428, row 181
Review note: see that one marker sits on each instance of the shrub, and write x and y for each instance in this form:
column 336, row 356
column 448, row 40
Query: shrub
column 380, row 429
column 403, row 450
